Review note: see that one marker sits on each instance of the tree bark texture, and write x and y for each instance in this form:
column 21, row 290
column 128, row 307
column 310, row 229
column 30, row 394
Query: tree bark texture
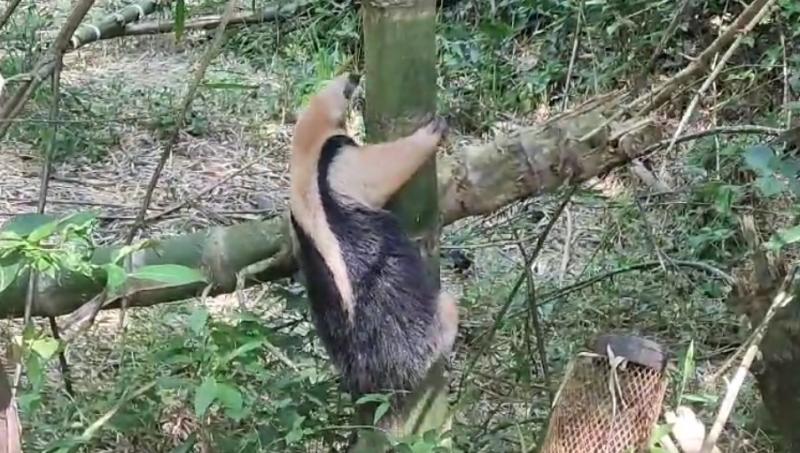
column 776, row 371
column 10, row 428
column 400, row 60
column 472, row 181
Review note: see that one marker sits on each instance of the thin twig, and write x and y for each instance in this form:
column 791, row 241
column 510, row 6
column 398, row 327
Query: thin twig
column 44, row 186
column 567, row 246
column 200, row 194
column 574, row 56
column 517, row 284
column 23, row 94
column 722, row 130
column 668, row 33
column 90, row 431
column 648, row 265
column 715, row 123
column 533, row 316
column 180, row 120
column 715, row 73
column 663, row 259
column 9, row 12
column 783, row 298
column 786, row 85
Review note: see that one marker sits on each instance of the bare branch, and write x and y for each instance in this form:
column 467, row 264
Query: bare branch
column 722, row 130
column 268, row 14
column 181, row 119
column 24, row 93
column 661, row 94
column 715, row 73
column 9, row 12
column 781, row 299
column 517, row 285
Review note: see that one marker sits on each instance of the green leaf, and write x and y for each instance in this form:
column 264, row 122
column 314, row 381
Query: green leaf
column 687, row 371
column 230, row 398
column 784, row 237
column 180, row 18
column 759, row 158
column 78, row 219
column 23, row 224
column 243, row 349
column 173, row 274
column 198, row 320
column 7, row 275
column 115, row 277
column 34, row 370
column 372, row 398
column 204, row 396
column 769, row 185
column 381, row 411
column 43, row 231
column 45, row 347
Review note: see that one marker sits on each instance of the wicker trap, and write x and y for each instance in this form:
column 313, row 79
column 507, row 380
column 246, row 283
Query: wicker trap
column 588, row 417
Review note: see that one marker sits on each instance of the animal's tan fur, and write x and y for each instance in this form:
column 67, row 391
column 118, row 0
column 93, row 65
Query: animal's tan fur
column 371, row 174
column 315, row 125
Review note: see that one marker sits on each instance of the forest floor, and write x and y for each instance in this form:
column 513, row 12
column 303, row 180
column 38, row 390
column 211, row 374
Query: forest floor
column 230, row 165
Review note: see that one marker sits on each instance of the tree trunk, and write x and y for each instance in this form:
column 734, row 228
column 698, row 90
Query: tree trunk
column 776, row 371
column 400, row 60
column 10, row 441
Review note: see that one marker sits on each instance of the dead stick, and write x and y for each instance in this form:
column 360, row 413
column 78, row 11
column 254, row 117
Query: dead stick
column 726, row 407
column 179, row 124
column 715, row 73
column 44, row 186
column 180, row 120
column 9, row 12
column 200, row 194
column 25, row 92
column 702, row 61
column 268, row 14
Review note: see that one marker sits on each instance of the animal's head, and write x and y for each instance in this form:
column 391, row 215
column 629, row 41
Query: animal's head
column 326, row 110
column 336, row 96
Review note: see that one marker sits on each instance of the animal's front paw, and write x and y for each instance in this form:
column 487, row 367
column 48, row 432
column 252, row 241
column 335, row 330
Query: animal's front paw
column 435, row 127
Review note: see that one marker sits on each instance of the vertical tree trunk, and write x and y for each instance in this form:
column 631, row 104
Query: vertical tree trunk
column 400, row 60
column 776, row 371
column 10, row 441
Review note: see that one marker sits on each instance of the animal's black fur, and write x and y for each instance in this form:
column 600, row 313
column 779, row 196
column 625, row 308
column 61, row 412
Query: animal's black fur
column 388, row 345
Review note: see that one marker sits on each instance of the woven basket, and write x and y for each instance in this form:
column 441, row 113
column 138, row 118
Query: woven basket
column 587, row 417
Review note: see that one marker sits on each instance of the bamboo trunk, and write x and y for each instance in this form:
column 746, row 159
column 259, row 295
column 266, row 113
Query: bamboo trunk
column 400, row 60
